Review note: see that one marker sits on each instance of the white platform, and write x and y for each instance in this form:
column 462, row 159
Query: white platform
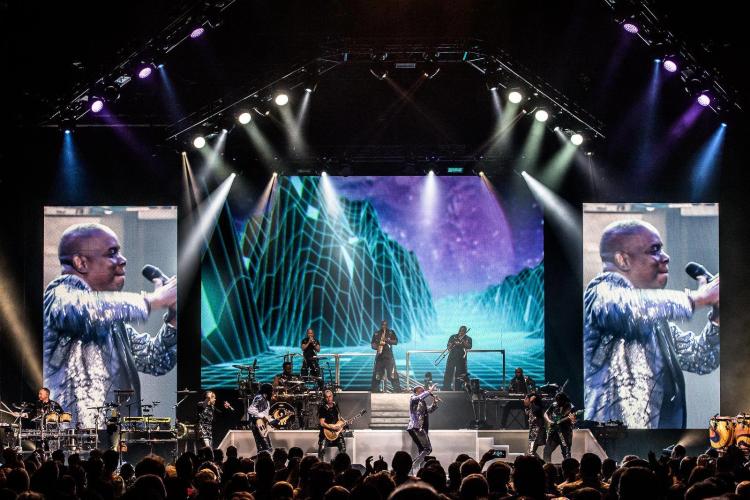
column 446, row 444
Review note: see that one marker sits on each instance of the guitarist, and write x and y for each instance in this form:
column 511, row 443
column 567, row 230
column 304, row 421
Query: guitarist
column 258, row 410
column 559, row 419
column 419, row 421
column 328, row 417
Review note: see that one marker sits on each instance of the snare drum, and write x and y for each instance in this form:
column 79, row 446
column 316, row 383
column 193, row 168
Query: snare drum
column 742, row 431
column 284, row 413
column 721, row 431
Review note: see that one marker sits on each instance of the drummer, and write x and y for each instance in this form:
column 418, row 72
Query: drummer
column 45, row 405
column 286, row 381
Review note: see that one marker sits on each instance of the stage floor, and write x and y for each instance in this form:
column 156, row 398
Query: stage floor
column 446, row 444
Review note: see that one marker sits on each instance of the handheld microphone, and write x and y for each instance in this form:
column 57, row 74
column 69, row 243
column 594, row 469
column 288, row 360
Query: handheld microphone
column 152, row 272
column 228, row 405
column 695, row 271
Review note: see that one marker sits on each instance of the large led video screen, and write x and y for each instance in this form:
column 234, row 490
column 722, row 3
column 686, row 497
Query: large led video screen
column 110, row 331
column 338, row 255
column 651, row 314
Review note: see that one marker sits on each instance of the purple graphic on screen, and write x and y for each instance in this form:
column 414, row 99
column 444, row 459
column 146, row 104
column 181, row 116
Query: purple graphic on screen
column 464, row 239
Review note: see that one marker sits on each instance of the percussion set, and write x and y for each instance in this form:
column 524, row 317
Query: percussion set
column 727, row 431
column 48, row 431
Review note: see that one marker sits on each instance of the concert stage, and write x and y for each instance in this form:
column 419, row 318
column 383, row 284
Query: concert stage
column 446, row 444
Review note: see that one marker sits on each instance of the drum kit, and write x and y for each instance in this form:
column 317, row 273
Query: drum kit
column 726, row 431
column 47, row 431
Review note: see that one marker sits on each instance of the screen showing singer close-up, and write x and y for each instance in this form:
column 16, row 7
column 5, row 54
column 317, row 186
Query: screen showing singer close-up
column 110, row 326
column 651, row 313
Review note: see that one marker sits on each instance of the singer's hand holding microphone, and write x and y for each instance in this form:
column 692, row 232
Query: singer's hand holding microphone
column 164, row 295
column 707, row 293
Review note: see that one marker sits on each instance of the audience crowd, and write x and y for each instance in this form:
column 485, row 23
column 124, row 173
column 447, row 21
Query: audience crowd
column 212, row 475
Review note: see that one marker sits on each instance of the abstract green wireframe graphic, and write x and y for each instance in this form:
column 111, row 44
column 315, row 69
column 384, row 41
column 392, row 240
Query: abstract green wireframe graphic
column 336, row 256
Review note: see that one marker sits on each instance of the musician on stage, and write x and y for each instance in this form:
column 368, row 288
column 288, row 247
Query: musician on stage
column 258, row 410
column 419, row 422
column 534, row 408
column 310, row 349
column 328, row 417
column 45, row 405
column 381, row 342
column 559, row 419
column 286, row 375
column 458, row 345
column 521, row 384
column 206, row 412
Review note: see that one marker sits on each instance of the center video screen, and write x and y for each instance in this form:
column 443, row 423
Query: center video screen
column 110, row 331
column 339, row 255
column 651, row 314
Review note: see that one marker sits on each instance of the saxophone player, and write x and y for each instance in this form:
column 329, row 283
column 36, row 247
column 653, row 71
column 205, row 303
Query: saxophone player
column 385, row 364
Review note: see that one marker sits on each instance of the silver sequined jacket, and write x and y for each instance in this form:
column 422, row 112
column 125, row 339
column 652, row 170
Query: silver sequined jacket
column 90, row 349
column 634, row 356
column 419, row 411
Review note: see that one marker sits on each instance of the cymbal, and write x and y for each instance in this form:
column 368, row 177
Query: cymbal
column 96, row 407
column 294, row 382
column 124, row 391
column 111, row 405
column 185, row 392
column 23, row 405
column 243, row 367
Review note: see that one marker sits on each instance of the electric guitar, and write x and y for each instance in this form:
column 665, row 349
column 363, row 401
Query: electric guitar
column 556, row 421
column 334, row 435
column 265, row 426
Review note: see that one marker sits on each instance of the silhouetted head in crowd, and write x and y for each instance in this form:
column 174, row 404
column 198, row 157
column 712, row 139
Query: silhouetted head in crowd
column 282, row 490
column 382, row 482
column 703, row 489
column 570, row 468
column 337, row 493
column 474, row 486
column 528, row 476
column 149, row 486
column 433, row 474
column 414, row 491
column 637, row 483
column 698, row 474
column 498, row 476
column 591, row 466
column 341, row 462
column 462, row 458
column 454, row 476
column 296, row 452
column 150, row 464
column 586, row 493
column 380, row 465
column 470, row 466
column 401, row 464
column 279, row 457
column 743, row 489
column 678, row 452
column 608, row 467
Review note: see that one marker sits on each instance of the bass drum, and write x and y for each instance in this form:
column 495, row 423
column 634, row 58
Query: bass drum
column 742, row 432
column 284, row 413
column 721, row 431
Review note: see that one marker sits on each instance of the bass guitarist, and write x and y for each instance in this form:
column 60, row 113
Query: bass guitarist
column 329, row 418
column 259, row 418
column 559, row 419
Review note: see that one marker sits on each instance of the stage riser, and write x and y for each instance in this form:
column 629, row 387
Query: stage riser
column 447, row 444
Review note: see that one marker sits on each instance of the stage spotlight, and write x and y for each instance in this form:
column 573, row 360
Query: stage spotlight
column 281, row 99
column 541, row 115
column 630, row 27
column 670, row 64
column 97, row 104
column 144, row 70
column 244, row 118
column 197, row 32
column 199, row 142
column 703, row 99
column 576, row 139
column 515, row 96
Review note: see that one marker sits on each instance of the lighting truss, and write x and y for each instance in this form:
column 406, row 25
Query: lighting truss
column 654, row 32
column 402, row 54
column 193, row 14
